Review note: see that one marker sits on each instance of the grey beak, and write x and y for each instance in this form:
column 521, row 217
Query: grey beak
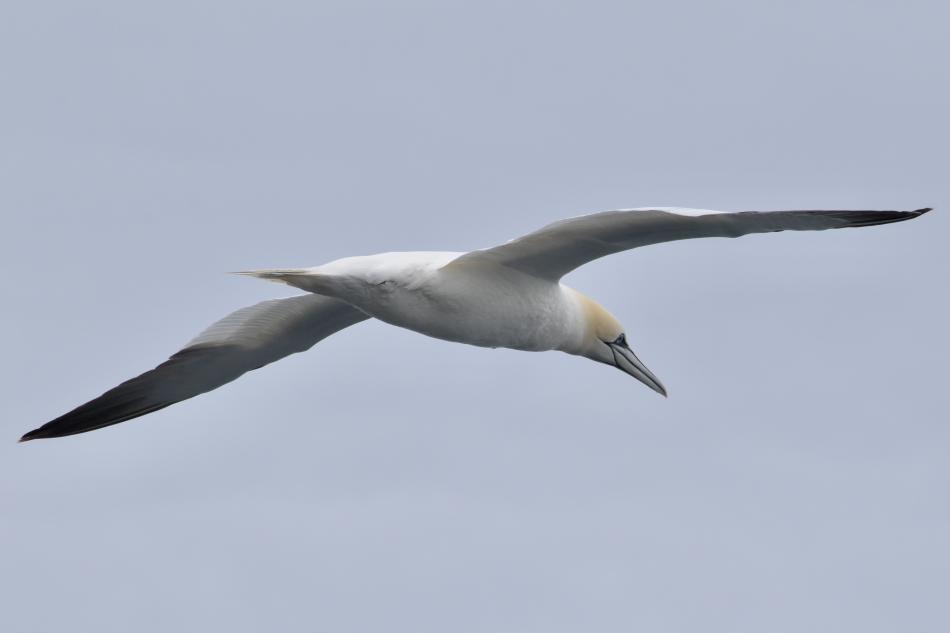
column 627, row 361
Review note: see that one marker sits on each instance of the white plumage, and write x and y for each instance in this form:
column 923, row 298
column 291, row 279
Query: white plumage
column 506, row 296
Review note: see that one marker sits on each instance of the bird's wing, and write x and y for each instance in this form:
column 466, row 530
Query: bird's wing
column 244, row 340
column 559, row 248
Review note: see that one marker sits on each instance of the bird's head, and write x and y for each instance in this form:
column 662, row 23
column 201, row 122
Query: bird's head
column 605, row 341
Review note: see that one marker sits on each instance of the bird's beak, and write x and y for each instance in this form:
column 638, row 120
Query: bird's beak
column 627, row 361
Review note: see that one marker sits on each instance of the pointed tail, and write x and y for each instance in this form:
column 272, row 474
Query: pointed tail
column 303, row 278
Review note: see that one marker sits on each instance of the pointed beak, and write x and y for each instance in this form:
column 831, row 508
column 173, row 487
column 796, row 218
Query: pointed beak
column 627, row 361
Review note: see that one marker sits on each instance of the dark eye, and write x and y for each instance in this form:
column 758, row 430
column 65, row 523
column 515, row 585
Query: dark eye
column 621, row 340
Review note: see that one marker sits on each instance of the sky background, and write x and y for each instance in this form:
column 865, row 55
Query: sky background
column 797, row 477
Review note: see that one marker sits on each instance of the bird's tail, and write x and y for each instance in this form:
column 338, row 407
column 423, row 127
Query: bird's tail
column 303, row 278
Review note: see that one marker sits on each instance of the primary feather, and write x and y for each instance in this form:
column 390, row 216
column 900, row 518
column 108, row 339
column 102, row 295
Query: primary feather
column 244, row 340
column 557, row 249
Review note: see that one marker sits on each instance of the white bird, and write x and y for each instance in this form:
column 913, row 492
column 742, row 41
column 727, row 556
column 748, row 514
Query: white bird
column 506, row 296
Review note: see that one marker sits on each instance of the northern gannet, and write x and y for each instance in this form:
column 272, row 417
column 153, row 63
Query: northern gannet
column 506, row 296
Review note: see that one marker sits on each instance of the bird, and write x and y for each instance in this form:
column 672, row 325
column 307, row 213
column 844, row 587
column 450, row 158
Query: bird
column 508, row 296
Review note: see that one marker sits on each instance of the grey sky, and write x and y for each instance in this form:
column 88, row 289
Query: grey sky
column 796, row 479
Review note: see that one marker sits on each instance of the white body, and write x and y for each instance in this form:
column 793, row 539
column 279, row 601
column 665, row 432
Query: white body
column 479, row 303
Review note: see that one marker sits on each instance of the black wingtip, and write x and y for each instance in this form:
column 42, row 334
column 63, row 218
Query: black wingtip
column 32, row 435
column 854, row 219
column 40, row 433
column 48, row 430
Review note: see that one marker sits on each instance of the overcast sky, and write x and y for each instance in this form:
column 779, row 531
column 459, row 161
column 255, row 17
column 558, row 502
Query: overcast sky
column 795, row 480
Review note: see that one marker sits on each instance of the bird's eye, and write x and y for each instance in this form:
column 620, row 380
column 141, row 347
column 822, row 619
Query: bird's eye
column 621, row 340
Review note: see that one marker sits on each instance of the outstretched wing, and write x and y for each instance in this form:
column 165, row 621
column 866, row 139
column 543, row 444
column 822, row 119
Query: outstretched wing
column 244, row 340
column 557, row 249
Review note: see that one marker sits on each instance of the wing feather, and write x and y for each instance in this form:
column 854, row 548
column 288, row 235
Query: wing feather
column 244, row 340
column 555, row 250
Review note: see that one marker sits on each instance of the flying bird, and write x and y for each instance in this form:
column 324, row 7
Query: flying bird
column 505, row 296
